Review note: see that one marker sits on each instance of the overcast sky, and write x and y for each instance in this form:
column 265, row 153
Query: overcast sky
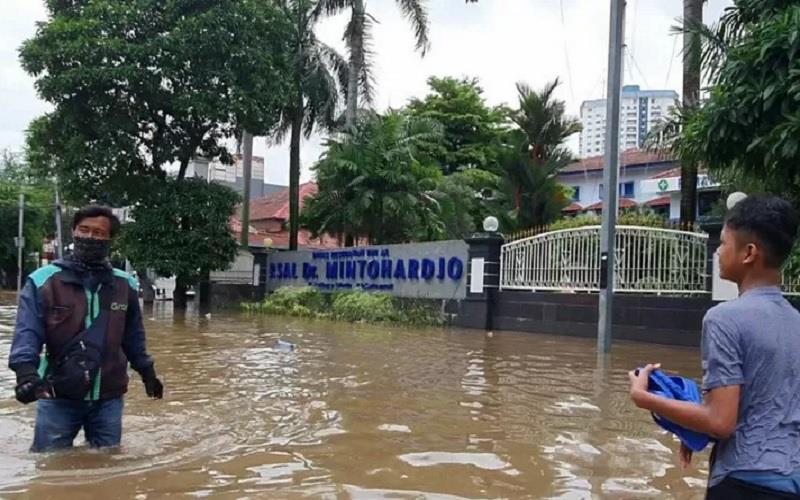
column 498, row 41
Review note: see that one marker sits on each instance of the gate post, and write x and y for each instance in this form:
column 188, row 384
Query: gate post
column 477, row 310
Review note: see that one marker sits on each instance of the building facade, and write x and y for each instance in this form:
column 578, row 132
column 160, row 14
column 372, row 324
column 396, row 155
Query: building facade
column 640, row 111
column 233, row 175
column 646, row 180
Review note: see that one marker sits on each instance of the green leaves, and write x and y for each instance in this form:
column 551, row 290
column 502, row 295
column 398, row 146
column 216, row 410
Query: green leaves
column 748, row 128
column 140, row 85
column 181, row 228
column 472, row 129
column 374, row 181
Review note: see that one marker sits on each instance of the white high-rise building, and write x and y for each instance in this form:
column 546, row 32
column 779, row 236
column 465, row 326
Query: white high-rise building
column 640, row 111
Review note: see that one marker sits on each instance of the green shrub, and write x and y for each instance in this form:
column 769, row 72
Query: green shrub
column 643, row 217
column 357, row 306
column 288, row 297
column 366, row 307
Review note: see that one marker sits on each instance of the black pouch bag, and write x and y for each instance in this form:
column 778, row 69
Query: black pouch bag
column 73, row 371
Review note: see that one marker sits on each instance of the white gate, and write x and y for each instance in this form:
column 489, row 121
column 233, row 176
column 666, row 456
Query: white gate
column 648, row 260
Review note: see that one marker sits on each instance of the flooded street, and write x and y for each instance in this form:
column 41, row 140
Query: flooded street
column 359, row 411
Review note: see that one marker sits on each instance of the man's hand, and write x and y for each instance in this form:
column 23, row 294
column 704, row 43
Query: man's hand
column 640, row 381
column 686, row 457
column 31, row 387
column 152, row 386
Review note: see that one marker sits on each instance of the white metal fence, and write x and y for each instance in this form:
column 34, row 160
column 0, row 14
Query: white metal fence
column 648, row 260
column 791, row 285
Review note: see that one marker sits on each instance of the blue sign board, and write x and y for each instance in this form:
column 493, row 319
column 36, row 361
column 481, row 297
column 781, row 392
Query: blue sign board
column 421, row 270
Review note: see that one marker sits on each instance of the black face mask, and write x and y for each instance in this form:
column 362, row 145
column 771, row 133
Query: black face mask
column 90, row 250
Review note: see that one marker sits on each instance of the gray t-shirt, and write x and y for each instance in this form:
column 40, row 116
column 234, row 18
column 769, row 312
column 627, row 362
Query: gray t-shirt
column 754, row 342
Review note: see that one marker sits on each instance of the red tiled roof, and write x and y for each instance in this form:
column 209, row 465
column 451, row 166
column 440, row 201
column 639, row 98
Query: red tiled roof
column 573, row 207
column 236, row 225
column 628, row 158
column 281, row 240
column 664, row 201
column 675, row 172
column 276, row 205
column 623, row 203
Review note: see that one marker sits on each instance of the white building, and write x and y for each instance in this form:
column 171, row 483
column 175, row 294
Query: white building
column 640, row 111
column 645, row 180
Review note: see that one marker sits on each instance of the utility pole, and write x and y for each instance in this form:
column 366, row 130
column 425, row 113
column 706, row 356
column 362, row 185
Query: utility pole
column 247, row 173
column 692, row 16
column 608, row 229
column 59, row 236
column 20, row 241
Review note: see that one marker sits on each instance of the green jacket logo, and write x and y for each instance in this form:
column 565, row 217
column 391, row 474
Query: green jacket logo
column 119, row 307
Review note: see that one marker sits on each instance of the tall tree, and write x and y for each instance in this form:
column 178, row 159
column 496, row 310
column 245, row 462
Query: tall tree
column 189, row 219
column 376, row 182
column 472, row 129
column 318, row 76
column 749, row 127
column 138, row 86
column 543, row 127
column 358, row 36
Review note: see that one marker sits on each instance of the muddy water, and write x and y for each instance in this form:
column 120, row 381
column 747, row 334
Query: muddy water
column 364, row 412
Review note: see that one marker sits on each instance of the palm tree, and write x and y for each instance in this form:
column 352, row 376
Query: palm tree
column 319, row 76
column 375, row 181
column 358, row 35
column 537, row 152
column 543, row 120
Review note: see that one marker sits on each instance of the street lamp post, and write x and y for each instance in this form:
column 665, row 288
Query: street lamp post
column 608, row 232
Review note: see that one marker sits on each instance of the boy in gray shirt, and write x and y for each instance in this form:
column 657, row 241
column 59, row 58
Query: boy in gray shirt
column 751, row 363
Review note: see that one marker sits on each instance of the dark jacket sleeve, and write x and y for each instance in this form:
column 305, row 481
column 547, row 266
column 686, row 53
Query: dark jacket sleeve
column 134, row 343
column 29, row 333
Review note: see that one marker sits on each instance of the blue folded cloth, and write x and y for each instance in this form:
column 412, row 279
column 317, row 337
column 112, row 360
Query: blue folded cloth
column 681, row 389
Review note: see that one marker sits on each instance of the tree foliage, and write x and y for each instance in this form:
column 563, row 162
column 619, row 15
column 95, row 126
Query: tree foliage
column 317, row 77
column 749, row 127
column 182, row 229
column 472, row 129
column 535, row 153
column 140, row 85
column 358, row 37
column 374, row 181
column 16, row 179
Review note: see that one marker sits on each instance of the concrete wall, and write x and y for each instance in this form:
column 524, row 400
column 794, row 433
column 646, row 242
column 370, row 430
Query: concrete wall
column 660, row 320
column 225, row 296
column 641, row 318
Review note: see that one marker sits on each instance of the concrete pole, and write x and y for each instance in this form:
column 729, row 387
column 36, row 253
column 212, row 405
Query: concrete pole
column 610, row 174
column 247, row 167
column 59, row 236
column 20, row 243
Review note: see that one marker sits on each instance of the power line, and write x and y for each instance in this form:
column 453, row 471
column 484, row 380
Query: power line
column 671, row 60
column 566, row 52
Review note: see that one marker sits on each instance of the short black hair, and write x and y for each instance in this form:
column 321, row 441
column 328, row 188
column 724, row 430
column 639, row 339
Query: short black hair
column 772, row 220
column 91, row 211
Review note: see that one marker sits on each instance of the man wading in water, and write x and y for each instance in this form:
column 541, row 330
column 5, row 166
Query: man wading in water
column 751, row 364
column 87, row 316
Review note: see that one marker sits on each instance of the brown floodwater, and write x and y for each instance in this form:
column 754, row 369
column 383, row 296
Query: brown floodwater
column 359, row 411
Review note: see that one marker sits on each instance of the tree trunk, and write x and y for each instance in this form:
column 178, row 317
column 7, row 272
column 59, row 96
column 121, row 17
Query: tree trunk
column 179, row 295
column 247, row 174
column 355, row 43
column 692, row 13
column 294, row 176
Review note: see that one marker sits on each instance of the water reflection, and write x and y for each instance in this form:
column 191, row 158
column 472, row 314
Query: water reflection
column 358, row 411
